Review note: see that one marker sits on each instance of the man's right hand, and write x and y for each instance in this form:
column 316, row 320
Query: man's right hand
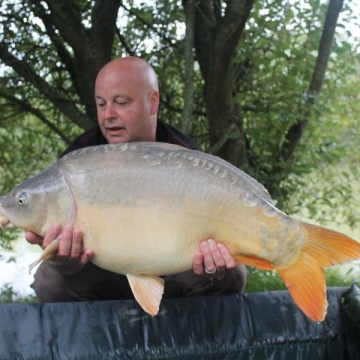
column 70, row 245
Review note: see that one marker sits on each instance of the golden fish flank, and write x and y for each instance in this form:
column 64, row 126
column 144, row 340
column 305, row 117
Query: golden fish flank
column 179, row 197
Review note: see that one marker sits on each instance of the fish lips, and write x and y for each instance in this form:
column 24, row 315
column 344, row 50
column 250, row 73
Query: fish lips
column 5, row 222
column 5, row 201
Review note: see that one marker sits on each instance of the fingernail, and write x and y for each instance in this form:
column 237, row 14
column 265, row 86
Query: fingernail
column 77, row 235
column 211, row 242
column 56, row 227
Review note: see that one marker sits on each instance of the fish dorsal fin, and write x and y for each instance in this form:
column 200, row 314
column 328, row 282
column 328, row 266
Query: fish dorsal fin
column 148, row 291
column 50, row 250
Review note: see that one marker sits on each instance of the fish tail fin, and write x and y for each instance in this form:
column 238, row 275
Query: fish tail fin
column 306, row 278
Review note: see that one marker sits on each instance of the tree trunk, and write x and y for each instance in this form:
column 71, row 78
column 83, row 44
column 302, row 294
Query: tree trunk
column 189, row 67
column 81, row 50
column 296, row 131
column 217, row 33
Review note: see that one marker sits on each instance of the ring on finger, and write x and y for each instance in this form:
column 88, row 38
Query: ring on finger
column 210, row 272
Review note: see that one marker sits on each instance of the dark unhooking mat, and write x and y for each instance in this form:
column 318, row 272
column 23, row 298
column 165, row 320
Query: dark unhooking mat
column 256, row 326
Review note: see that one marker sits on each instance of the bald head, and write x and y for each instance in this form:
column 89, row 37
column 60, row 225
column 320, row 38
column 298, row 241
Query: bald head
column 127, row 99
column 134, row 68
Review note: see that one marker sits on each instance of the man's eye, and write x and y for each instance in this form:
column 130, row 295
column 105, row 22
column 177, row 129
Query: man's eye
column 100, row 105
column 122, row 103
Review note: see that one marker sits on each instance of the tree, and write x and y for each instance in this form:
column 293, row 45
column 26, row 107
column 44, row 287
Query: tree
column 259, row 70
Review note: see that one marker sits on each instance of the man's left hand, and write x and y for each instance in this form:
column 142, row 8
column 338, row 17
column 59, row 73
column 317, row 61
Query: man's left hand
column 213, row 258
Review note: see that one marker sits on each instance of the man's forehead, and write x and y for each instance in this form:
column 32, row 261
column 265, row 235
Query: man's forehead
column 123, row 96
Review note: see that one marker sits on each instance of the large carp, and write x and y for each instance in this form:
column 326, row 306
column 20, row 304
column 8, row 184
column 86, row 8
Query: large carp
column 145, row 207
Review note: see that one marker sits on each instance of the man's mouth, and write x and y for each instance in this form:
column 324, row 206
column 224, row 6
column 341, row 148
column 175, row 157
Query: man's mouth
column 115, row 129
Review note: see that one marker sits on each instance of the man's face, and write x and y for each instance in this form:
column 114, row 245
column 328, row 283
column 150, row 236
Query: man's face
column 126, row 107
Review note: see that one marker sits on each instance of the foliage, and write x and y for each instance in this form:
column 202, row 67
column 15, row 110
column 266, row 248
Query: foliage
column 273, row 91
column 272, row 65
column 9, row 296
column 6, row 238
column 259, row 280
column 253, row 78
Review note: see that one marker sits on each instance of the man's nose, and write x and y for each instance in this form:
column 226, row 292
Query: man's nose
column 110, row 112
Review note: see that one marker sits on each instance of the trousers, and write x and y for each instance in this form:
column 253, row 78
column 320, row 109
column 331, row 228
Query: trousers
column 95, row 283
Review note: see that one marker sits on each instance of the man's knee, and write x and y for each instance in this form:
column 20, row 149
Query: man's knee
column 242, row 275
column 234, row 281
column 50, row 285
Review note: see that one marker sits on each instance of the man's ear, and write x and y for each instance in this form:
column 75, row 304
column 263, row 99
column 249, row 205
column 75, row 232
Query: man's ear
column 154, row 101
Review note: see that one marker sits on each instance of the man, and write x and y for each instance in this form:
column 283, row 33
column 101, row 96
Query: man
column 127, row 100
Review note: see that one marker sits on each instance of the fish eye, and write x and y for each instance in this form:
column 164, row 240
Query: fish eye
column 22, row 199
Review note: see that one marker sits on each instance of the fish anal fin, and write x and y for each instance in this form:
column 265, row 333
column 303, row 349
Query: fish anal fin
column 49, row 251
column 306, row 283
column 148, row 291
column 254, row 261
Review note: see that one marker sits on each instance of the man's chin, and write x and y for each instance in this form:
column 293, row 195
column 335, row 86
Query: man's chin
column 117, row 138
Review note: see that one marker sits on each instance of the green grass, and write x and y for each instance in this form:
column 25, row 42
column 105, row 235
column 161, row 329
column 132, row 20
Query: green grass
column 260, row 280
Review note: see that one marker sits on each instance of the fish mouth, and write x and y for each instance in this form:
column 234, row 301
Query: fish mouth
column 5, row 222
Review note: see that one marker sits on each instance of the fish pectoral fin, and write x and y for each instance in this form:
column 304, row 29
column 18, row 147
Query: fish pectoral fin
column 254, row 261
column 148, row 291
column 50, row 251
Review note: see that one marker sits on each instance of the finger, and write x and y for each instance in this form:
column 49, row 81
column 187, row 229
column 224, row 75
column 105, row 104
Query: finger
column 33, row 238
column 52, row 234
column 76, row 246
column 86, row 256
column 230, row 262
column 198, row 267
column 208, row 261
column 216, row 255
column 66, row 241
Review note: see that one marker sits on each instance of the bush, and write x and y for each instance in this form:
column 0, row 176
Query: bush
column 9, row 296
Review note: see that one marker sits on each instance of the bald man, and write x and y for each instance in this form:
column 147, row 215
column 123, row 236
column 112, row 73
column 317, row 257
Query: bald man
column 127, row 100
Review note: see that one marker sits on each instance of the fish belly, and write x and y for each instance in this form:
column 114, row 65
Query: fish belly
column 163, row 241
column 143, row 240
